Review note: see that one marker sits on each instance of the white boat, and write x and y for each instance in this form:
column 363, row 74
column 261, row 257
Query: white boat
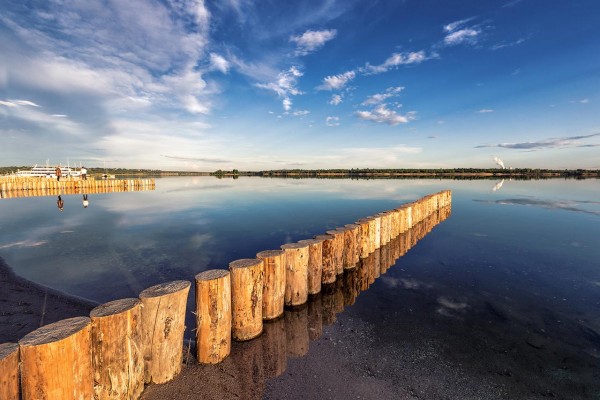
column 48, row 171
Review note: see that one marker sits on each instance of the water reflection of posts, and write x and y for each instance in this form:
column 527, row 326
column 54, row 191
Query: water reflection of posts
column 296, row 328
column 273, row 283
column 213, row 316
column 246, row 298
column 163, row 325
column 56, row 361
column 117, row 357
column 296, row 273
column 9, row 371
column 274, row 347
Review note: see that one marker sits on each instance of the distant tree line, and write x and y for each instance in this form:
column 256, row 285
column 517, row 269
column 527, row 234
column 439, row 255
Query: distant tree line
column 516, row 173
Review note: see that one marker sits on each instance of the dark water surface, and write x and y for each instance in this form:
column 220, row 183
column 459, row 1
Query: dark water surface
column 504, row 293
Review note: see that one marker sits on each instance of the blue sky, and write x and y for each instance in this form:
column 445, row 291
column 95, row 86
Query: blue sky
column 195, row 85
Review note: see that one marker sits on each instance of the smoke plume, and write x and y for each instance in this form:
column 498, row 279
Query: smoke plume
column 499, row 162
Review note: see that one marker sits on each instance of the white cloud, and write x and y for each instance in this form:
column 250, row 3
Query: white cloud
column 381, row 114
column 485, row 111
column 24, row 103
column 284, row 86
column 219, row 63
column 311, row 41
column 381, row 97
column 456, row 24
column 300, row 113
column 332, row 121
column 394, row 61
column 336, row 99
column 336, row 82
column 466, row 35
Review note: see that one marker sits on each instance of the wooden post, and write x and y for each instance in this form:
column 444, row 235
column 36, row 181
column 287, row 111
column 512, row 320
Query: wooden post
column 117, row 356
column 328, row 274
column 296, row 273
column 163, row 325
column 274, row 347
column 246, row 298
column 315, row 264
column 9, row 371
column 364, row 237
column 213, row 315
column 377, row 219
column 296, row 331
column 349, row 247
column 56, row 361
column 355, row 232
column 274, row 283
column 338, row 250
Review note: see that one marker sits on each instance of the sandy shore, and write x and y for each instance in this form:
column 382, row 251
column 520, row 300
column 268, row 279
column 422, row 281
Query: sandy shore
column 25, row 306
column 370, row 350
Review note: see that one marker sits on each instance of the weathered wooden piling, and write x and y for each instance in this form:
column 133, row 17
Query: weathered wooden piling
column 213, row 316
column 246, row 298
column 338, row 250
column 117, row 356
column 329, row 272
column 315, row 264
column 296, row 273
column 350, row 250
column 163, row 325
column 354, row 243
column 56, row 361
column 274, row 279
column 364, row 246
column 9, row 371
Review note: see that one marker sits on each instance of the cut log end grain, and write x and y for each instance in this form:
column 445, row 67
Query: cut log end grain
column 114, row 307
column 269, row 253
column 164, row 289
column 244, row 263
column 212, row 274
column 55, row 332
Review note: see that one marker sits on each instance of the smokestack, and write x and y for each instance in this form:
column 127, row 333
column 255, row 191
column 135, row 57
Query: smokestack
column 499, row 162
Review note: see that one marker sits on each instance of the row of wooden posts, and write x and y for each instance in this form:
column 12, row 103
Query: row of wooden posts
column 127, row 343
column 32, row 187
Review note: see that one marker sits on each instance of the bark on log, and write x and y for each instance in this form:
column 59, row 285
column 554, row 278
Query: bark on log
column 338, row 250
column 9, row 371
column 163, row 325
column 328, row 274
column 213, row 316
column 246, row 298
column 364, row 238
column 56, row 361
column 273, row 283
column 296, row 273
column 315, row 264
column 117, row 356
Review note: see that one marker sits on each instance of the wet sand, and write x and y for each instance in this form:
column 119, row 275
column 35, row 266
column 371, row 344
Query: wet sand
column 25, row 305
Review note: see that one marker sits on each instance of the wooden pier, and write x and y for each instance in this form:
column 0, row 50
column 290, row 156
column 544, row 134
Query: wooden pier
column 14, row 187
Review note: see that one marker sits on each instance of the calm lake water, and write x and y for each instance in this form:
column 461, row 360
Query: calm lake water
column 506, row 290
